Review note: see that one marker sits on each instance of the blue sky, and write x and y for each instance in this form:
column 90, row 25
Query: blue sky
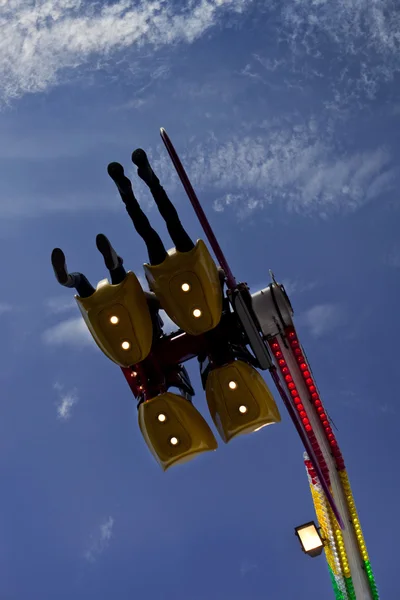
column 286, row 116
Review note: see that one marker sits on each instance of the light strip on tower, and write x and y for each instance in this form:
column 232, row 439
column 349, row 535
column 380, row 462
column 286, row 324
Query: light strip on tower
column 359, row 534
column 286, row 374
column 314, row 396
column 324, row 520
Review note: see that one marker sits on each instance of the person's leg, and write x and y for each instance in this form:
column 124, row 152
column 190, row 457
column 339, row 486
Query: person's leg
column 113, row 262
column 179, row 236
column 70, row 280
column 155, row 248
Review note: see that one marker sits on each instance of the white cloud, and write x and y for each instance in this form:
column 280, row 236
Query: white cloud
column 295, row 165
column 71, row 332
column 13, row 206
column 44, row 39
column 393, row 256
column 358, row 23
column 100, row 540
column 294, row 286
column 357, row 41
column 361, row 43
column 59, row 304
column 243, row 204
column 66, row 401
column 5, row 308
column 322, row 319
column 246, row 567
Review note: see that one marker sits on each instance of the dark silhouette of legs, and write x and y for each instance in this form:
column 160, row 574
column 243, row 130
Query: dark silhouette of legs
column 155, row 247
column 70, row 280
column 179, row 236
column 113, row 262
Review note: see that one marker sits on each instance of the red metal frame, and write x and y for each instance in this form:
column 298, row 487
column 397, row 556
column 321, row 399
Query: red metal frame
column 147, row 378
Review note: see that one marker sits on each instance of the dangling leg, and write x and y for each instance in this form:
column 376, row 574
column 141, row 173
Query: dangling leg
column 113, row 262
column 155, row 248
column 180, row 238
column 70, row 280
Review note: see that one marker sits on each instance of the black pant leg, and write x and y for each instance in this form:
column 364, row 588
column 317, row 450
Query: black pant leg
column 155, row 247
column 81, row 284
column 179, row 236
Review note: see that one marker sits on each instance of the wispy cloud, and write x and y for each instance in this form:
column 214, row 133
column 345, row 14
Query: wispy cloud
column 5, row 308
column 60, row 304
column 393, row 256
column 67, row 399
column 100, row 540
column 294, row 286
column 361, row 402
column 295, row 165
column 243, row 204
column 357, row 41
column 71, row 332
column 42, row 41
column 322, row 319
column 359, row 24
column 246, row 567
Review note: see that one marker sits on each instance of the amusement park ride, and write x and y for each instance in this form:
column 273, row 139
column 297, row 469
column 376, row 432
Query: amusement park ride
column 233, row 335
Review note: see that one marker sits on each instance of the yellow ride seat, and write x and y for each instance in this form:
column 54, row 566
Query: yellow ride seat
column 174, row 430
column 188, row 287
column 119, row 320
column 239, row 400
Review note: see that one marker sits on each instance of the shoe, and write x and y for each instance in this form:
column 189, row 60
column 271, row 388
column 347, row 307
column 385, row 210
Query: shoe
column 115, row 170
column 145, row 172
column 124, row 185
column 60, row 266
column 111, row 258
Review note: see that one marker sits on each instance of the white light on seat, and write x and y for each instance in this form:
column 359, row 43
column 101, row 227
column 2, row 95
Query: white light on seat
column 174, row 441
column 185, row 287
column 125, row 345
column 162, row 418
column 114, row 320
column 232, row 385
column 243, row 409
column 197, row 313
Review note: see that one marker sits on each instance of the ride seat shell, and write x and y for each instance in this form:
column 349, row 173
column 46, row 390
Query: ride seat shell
column 174, row 430
column 119, row 313
column 198, row 274
column 239, row 400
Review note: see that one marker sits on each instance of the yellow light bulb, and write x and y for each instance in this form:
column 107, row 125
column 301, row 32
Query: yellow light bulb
column 174, row 441
column 243, row 409
column 185, row 287
column 232, row 385
column 197, row 313
column 162, row 418
column 114, row 320
column 125, row 345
